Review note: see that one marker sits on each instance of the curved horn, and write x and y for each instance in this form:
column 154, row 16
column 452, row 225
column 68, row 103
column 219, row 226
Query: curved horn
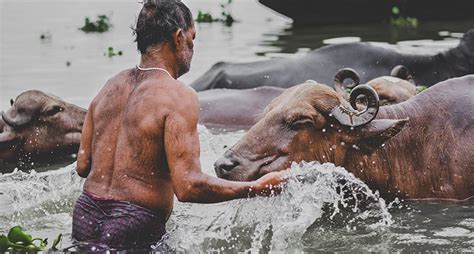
column 402, row 72
column 17, row 120
column 342, row 75
column 354, row 118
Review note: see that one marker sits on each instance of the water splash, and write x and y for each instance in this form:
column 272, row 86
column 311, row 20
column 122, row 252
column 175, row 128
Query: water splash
column 28, row 198
column 316, row 196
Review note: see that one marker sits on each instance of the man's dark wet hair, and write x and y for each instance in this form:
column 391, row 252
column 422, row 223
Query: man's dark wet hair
column 158, row 20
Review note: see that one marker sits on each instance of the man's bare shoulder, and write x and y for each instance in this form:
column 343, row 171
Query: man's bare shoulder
column 176, row 94
column 119, row 79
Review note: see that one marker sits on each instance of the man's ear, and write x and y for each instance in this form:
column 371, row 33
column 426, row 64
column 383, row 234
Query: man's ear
column 371, row 136
column 179, row 39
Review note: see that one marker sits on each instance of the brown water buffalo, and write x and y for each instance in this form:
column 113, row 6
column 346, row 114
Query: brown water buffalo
column 39, row 126
column 420, row 148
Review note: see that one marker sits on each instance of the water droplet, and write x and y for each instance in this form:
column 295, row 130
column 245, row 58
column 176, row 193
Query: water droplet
column 324, row 130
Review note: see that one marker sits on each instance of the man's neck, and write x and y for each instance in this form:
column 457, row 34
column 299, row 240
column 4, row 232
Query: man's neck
column 156, row 59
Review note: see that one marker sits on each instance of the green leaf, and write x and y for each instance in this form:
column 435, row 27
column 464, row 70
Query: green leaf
column 16, row 235
column 395, row 10
column 56, row 242
column 5, row 244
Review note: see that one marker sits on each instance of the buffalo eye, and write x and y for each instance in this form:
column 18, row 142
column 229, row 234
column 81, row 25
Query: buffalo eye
column 12, row 102
column 54, row 110
column 301, row 122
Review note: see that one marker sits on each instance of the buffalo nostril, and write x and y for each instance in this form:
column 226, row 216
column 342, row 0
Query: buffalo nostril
column 228, row 166
column 225, row 165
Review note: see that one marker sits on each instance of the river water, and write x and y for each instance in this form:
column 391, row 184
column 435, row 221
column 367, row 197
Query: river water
column 310, row 215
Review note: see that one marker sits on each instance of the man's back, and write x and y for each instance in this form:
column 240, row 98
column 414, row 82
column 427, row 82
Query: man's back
column 128, row 155
column 140, row 144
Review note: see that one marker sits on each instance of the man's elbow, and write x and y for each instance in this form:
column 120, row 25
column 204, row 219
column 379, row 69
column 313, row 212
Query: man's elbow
column 186, row 193
column 82, row 169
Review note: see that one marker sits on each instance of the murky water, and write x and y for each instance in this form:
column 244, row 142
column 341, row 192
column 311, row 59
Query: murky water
column 324, row 207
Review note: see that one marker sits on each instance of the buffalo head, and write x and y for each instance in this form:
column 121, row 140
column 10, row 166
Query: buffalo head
column 39, row 124
column 310, row 122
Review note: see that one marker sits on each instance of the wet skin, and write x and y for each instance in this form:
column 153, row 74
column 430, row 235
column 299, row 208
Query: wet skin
column 140, row 141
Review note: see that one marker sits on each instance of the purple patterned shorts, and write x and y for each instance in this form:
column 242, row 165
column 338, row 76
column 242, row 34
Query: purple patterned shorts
column 116, row 224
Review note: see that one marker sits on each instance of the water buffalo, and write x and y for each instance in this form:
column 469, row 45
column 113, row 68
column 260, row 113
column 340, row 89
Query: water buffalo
column 371, row 61
column 420, row 148
column 233, row 108
column 398, row 87
column 40, row 125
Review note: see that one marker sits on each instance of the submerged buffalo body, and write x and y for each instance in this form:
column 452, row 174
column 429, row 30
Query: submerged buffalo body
column 234, row 109
column 420, row 148
column 369, row 60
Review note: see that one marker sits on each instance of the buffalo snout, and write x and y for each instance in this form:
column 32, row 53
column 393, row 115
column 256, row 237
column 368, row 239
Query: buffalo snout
column 224, row 165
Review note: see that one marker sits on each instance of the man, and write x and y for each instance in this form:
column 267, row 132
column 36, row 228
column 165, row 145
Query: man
column 140, row 143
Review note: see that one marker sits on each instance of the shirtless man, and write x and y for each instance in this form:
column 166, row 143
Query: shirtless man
column 140, row 143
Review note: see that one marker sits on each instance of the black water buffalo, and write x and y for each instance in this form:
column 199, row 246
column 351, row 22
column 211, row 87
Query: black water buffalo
column 420, row 148
column 369, row 60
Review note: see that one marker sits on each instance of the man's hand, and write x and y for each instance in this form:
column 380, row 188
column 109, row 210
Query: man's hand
column 269, row 184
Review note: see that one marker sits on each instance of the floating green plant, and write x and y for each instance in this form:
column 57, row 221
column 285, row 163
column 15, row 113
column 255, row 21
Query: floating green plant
column 19, row 241
column 102, row 24
column 111, row 52
column 205, row 17
column 398, row 20
column 226, row 17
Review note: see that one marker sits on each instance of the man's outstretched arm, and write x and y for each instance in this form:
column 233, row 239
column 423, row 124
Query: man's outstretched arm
column 190, row 184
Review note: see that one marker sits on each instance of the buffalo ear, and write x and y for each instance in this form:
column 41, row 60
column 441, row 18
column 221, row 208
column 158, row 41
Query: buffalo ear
column 371, row 136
